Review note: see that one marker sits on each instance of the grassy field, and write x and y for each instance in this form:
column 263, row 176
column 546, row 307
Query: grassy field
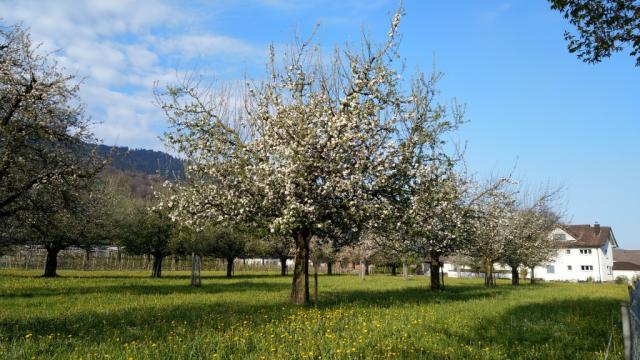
column 118, row 315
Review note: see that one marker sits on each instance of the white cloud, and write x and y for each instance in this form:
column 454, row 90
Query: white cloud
column 198, row 45
column 119, row 48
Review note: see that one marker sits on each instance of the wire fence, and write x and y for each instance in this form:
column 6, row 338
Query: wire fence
column 112, row 258
column 117, row 260
column 630, row 316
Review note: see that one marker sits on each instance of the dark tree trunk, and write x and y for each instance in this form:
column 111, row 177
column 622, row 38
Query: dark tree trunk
column 329, row 268
column 533, row 276
column 230, row 267
column 51, row 264
column 300, row 285
column 488, row 274
column 366, row 268
column 434, row 271
column 283, row 266
column 87, row 259
column 156, row 269
column 393, row 270
column 515, row 276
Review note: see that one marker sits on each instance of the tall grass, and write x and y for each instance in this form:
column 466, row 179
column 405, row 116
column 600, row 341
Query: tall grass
column 126, row 315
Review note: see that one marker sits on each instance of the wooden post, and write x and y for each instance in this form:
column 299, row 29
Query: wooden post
column 315, row 282
column 626, row 330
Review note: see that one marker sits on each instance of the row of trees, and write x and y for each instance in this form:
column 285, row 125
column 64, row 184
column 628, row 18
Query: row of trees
column 320, row 158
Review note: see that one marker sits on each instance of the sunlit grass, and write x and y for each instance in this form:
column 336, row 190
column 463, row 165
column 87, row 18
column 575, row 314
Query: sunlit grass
column 123, row 315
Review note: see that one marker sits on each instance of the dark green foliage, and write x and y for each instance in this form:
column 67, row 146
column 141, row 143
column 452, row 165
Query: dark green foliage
column 603, row 26
column 148, row 162
column 149, row 233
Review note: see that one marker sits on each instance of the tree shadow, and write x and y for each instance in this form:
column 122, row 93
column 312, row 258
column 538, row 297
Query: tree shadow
column 554, row 329
column 159, row 288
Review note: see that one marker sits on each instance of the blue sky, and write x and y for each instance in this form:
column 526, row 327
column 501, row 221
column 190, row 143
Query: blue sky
column 530, row 104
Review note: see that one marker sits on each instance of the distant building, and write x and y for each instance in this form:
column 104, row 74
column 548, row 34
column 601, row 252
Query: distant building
column 585, row 253
column 626, row 263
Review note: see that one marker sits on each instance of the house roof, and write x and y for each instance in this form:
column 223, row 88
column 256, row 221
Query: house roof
column 630, row 256
column 588, row 236
column 623, row 265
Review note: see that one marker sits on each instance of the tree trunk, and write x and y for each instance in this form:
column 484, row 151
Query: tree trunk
column 363, row 272
column 51, row 265
column 300, row 285
column 366, row 268
column 87, row 259
column 329, row 268
column 283, row 266
column 533, row 277
column 515, row 276
column 195, row 270
column 434, row 272
column 156, row 269
column 393, row 270
column 230, row 267
column 488, row 273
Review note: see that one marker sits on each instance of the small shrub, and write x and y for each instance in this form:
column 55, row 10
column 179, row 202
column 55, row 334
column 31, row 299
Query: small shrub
column 622, row 279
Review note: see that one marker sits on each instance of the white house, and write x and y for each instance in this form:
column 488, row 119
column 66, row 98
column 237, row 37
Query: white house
column 626, row 263
column 585, row 253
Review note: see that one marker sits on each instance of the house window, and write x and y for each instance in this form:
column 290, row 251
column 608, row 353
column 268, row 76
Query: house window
column 585, row 251
column 610, row 270
column 551, row 269
column 586, row 267
column 569, row 267
column 559, row 236
column 568, row 252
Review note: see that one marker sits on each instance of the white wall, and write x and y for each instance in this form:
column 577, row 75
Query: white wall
column 601, row 259
column 630, row 274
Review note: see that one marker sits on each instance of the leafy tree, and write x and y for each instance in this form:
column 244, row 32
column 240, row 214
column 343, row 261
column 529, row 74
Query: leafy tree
column 149, row 232
column 528, row 240
column 280, row 247
column 540, row 247
column 603, row 26
column 43, row 129
column 64, row 217
column 230, row 243
column 436, row 219
column 319, row 149
column 495, row 220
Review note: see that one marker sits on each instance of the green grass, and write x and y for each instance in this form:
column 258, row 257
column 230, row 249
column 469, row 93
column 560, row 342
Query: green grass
column 122, row 315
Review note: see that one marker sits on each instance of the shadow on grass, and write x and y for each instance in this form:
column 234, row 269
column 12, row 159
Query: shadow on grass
column 152, row 320
column 148, row 288
column 554, row 329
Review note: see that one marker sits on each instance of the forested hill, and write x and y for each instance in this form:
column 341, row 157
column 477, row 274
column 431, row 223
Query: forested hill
column 143, row 161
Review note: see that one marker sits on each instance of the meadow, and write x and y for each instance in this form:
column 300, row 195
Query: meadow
column 127, row 315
